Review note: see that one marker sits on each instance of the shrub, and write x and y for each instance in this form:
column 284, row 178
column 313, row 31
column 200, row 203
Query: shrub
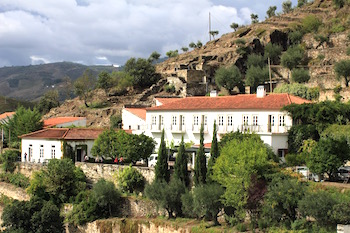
column 300, row 75
column 8, row 159
column 293, row 57
column 240, row 41
column 339, row 3
column 170, row 88
column 16, row 179
column 115, row 121
column 298, row 133
column 295, row 159
column 318, row 205
column 298, row 89
column 131, row 180
column 295, row 37
column 274, row 52
column 311, row 23
column 337, row 28
column 348, row 51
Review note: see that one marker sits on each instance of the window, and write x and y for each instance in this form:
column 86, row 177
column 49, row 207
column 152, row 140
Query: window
column 174, row 120
column 221, row 120
column 204, row 120
column 41, row 151
column 53, row 152
column 230, row 120
column 182, row 120
column 195, row 120
column 154, row 120
column 255, row 120
column 245, row 120
column 281, row 120
column 272, row 120
column 161, row 118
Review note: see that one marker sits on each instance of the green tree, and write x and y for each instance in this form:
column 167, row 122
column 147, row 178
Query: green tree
column 206, row 201
column 192, row 45
column 167, row 196
column 107, row 198
column 22, row 122
column 255, row 60
column 214, row 33
column 214, row 154
column 292, row 57
column 172, row 53
column 105, row 81
column 300, row 75
column 8, row 159
column 131, row 180
column 287, row 6
column 281, row 200
column 311, row 23
column 199, row 44
column 154, row 56
column 139, row 146
column 106, row 145
column 342, row 69
column 200, row 166
column 184, row 49
column 180, row 168
column 256, row 75
column 234, row 26
column 273, row 52
column 48, row 101
column 228, row 77
column 271, row 11
column 241, row 163
column 32, row 216
column 60, row 181
column 161, row 168
column 301, row 3
column 328, row 155
column 298, row 134
column 84, row 85
column 298, row 89
column 254, row 18
column 295, row 37
column 142, row 71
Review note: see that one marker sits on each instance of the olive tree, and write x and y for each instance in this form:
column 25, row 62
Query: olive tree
column 228, row 77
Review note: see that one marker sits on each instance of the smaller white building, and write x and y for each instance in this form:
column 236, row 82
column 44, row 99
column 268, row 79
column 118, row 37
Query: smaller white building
column 46, row 144
column 134, row 119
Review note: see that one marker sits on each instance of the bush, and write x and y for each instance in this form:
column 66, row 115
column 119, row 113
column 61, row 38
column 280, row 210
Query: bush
column 170, row 88
column 295, row 159
column 107, row 198
column 293, row 57
column 16, row 179
column 311, row 23
column 300, row 90
column 8, row 159
column 339, row 3
column 318, row 205
column 300, row 75
column 298, row 133
column 273, row 52
column 295, row 37
column 131, row 180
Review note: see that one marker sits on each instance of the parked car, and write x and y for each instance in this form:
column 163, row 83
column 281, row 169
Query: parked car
column 307, row 174
column 152, row 160
column 344, row 172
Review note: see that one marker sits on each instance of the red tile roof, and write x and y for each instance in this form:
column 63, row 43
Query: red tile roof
column 166, row 100
column 5, row 115
column 140, row 112
column 60, row 120
column 244, row 101
column 206, row 145
column 65, row 133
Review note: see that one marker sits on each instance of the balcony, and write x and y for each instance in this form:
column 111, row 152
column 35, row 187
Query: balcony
column 155, row 128
column 197, row 128
column 178, row 128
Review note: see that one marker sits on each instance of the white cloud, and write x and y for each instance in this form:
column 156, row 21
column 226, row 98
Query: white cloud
column 86, row 30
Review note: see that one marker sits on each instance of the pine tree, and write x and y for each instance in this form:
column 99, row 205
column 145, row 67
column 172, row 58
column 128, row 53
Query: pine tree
column 161, row 168
column 181, row 164
column 200, row 167
column 214, row 154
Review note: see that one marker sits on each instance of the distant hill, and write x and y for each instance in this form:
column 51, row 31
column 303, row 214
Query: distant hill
column 10, row 105
column 29, row 83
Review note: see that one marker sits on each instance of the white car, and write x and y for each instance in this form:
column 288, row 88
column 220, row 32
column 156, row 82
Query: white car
column 152, row 160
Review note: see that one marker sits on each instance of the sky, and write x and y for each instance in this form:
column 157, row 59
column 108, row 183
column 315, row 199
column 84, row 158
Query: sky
column 109, row 32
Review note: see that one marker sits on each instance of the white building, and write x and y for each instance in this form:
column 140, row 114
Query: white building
column 46, row 144
column 134, row 119
column 258, row 113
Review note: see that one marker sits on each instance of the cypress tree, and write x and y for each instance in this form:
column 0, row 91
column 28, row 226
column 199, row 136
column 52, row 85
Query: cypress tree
column 200, row 166
column 181, row 164
column 214, row 153
column 161, row 168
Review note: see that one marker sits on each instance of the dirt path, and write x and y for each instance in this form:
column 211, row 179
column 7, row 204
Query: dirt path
column 335, row 184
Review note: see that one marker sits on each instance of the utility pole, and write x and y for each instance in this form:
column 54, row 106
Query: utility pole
column 209, row 27
column 268, row 60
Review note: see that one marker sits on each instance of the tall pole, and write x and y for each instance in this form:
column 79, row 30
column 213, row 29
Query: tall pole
column 268, row 60
column 209, row 27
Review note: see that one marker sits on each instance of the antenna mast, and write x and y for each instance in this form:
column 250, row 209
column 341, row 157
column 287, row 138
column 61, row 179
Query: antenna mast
column 209, row 27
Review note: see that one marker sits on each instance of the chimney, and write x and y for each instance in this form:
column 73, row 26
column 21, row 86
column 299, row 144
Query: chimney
column 260, row 92
column 213, row 93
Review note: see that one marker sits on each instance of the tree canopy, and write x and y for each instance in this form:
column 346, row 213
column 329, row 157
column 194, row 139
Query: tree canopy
column 142, row 71
column 200, row 166
column 162, row 172
column 228, row 77
column 180, row 167
column 84, row 85
column 292, row 57
column 342, row 69
column 48, row 101
column 22, row 122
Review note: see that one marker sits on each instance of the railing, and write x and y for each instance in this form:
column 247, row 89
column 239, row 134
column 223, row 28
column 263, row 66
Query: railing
column 197, row 128
column 178, row 128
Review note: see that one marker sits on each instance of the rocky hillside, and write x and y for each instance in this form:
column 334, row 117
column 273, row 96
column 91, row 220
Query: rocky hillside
column 334, row 27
